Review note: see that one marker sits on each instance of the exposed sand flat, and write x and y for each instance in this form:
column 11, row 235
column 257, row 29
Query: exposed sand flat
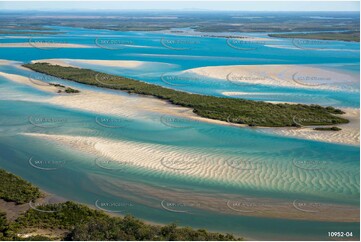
column 43, row 45
column 105, row 103
column 350, row 133
column 137, row 105
column 193, row 164
column 58, row 62
column 111, row 63
column 7, row 62
column 297, row 76
column 29, row 82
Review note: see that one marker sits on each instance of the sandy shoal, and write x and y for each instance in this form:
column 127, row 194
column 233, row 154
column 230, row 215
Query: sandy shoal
column 105, row 103
column 110, row 63
column 296, row 76
column 7, row 62
column 135, row 105
column 350, row 133
column 167, row 160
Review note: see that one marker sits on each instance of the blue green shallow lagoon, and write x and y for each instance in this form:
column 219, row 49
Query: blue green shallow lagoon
column 281, row 168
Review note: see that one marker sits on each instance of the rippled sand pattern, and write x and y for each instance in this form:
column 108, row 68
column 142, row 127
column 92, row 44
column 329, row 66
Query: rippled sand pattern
column 249, row 172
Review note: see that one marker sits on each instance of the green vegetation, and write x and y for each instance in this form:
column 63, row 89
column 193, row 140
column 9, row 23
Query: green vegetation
column 253, row 113
column 15, row 189
column 71, row 90
column 79, row 222
column 328, row 128
column 66, row 89
column 3, row 226
column 89, row 224
column 345, row 36
column 56, row 85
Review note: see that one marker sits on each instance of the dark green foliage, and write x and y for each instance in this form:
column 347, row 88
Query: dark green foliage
column 89, row 224
column 345, row 36
column 71, row 90
column 84, row 223
column 328, row 128
column 3, row 226
column 67, row 89
column 233, row 110
column 35, row 238
column 15, row 189
column 130, row 228
column 56, row 85
column 66, row 216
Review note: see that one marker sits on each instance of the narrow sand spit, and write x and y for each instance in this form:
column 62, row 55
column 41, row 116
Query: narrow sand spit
column 297, row 76
column 111, row 63
column 27, row 81
column 43, row 45
column 105, row 103
column 350, row 133
column 137, row 105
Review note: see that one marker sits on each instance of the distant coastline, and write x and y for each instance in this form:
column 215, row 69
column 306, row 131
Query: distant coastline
column 350, row 36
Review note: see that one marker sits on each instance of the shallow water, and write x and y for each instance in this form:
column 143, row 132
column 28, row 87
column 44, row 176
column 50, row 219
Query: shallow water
column 281, row 168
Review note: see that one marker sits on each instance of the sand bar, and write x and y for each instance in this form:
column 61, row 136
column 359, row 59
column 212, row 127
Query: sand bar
column 73, row 62
column 294, row 76
column 137, row 105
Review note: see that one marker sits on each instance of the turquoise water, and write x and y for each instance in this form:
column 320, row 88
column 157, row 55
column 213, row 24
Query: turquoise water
column 277, row 174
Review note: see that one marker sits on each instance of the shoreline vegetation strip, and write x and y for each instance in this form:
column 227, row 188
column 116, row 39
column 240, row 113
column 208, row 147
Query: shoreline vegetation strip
column 232, row 110
column 72, row 221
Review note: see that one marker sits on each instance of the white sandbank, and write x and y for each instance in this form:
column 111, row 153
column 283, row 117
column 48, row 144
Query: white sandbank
column 137, row 105
column 350, row 133
column 74, row 62
column 196, row 164
column 296, row 76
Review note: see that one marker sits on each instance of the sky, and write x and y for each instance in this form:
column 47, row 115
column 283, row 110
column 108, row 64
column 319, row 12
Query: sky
column 184, row 5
